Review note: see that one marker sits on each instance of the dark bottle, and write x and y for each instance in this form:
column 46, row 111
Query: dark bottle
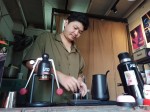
column 131, row 78
column 44, row 68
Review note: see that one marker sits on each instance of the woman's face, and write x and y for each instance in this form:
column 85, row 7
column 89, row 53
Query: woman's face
column 72, row 30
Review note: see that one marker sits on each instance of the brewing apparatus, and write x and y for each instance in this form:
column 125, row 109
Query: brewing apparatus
column 46, row 69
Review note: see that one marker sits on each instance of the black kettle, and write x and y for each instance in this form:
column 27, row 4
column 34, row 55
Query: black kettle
column 99, row 88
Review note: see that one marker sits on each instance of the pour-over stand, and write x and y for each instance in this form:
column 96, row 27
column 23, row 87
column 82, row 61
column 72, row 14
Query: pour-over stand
column 41, row 103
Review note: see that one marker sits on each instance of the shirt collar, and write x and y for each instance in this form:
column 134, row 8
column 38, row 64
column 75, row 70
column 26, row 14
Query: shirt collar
column 74, row 47
column 58, row 38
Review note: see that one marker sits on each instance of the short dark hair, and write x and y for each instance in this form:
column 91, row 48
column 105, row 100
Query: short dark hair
column 80, row 17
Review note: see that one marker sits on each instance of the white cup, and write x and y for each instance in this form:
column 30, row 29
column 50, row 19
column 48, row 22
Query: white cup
column 146, row 91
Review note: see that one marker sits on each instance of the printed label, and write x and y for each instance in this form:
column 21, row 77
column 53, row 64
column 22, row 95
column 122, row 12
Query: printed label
column 46, row 71
column 130, row 77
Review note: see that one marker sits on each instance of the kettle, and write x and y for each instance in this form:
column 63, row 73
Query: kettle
column 99, row 88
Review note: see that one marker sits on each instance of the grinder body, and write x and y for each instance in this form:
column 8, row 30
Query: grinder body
column 131, row 78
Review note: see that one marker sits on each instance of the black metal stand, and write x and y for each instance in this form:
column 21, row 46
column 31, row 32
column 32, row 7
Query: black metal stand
column 41, row 104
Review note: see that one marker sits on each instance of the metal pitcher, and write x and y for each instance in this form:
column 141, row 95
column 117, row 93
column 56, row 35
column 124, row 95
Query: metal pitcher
column 9, row 99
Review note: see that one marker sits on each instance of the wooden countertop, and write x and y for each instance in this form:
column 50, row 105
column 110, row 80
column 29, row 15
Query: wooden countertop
column 78, row 109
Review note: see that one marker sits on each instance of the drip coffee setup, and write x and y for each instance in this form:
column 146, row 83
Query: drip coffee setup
column 131, row 78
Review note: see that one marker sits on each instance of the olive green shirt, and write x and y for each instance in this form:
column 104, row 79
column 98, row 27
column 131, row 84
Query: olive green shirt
column 69, row 63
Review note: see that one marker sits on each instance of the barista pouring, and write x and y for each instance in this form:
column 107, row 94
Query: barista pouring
column 68, row 61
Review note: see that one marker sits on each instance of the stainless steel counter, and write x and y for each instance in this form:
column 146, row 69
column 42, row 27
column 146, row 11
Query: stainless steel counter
column 79, row 109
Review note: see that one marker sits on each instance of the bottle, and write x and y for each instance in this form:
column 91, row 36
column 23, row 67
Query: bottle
column 44, row 68
column 131, row 78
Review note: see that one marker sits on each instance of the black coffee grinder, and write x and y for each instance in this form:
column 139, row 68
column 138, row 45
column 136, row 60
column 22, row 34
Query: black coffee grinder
column 131, row 78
